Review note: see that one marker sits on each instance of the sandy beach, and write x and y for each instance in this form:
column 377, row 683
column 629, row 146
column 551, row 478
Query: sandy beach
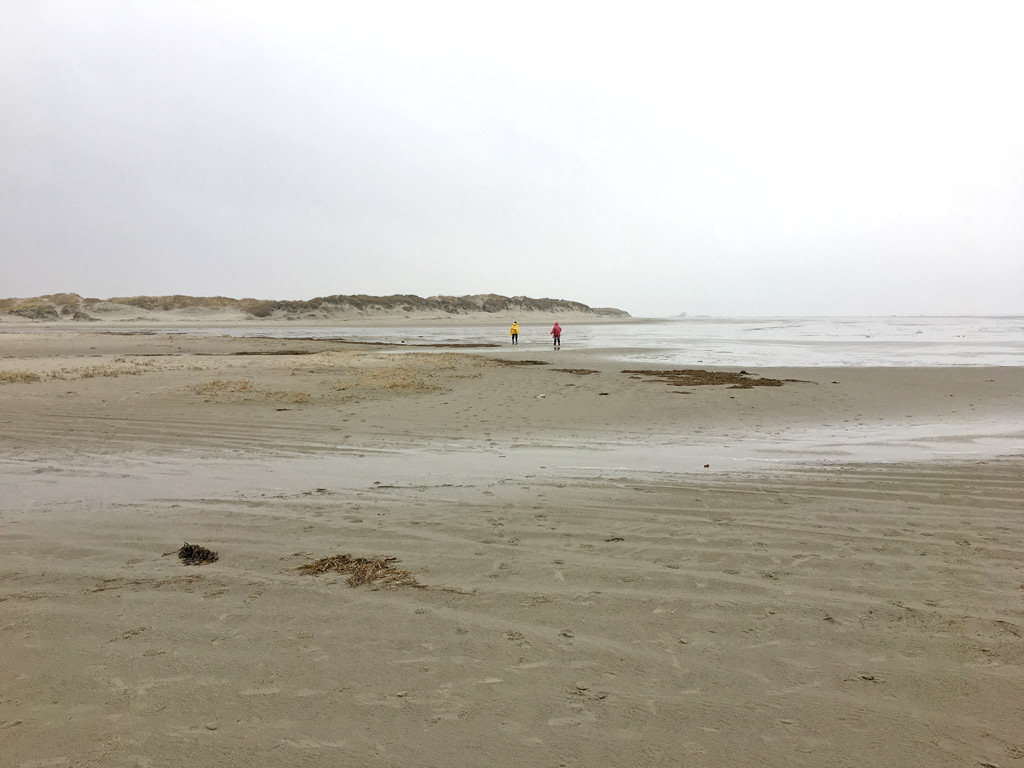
column 842, row 584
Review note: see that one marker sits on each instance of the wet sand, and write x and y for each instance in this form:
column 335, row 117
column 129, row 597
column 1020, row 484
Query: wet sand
column 842, row 585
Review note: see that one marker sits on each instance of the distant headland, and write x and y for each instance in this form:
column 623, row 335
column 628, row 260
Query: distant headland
column 71, row 307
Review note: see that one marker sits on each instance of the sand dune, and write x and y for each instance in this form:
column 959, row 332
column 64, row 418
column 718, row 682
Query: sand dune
column 192, row 310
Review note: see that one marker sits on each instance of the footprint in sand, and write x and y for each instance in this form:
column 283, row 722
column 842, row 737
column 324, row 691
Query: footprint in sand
column 311, row 744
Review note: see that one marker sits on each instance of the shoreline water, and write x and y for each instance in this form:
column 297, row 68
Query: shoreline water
column 766, row 342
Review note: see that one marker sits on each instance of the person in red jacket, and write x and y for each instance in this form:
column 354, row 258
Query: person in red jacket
column 556, row 335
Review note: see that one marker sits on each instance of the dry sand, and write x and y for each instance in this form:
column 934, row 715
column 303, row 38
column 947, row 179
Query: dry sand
column 840, row 586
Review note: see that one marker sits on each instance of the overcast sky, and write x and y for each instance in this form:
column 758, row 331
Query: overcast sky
column 709, row 157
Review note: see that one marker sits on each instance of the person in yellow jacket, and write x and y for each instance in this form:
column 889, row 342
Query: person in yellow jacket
column 515, row 332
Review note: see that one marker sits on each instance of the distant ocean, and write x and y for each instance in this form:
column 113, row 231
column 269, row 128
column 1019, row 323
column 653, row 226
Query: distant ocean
column 771, row 341
column 762, row 342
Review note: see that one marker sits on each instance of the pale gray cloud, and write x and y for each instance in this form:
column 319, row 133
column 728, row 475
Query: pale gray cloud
column 727, row 158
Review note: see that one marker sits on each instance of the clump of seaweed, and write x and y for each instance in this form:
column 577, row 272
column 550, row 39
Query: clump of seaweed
column 193, row 554
column 576, row 371
column 218, row 386
column 364, row 571
column 701, row 378
column 521, row 362
column 9, row 377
